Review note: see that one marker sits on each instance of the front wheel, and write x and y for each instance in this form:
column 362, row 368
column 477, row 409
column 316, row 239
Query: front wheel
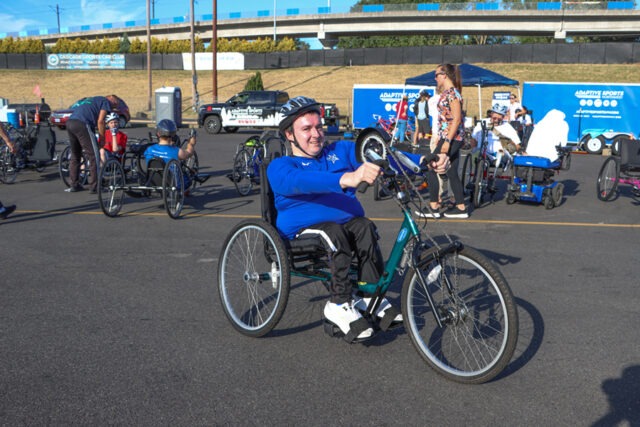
column 608, row 179
column 478, row 314
column 375, row 142
column 111, row 188
column 241, row 173
column 173, row 188
column 466, row 176
column 213, row 124
column 253, row 277
column 481, row 183
column 63, row 167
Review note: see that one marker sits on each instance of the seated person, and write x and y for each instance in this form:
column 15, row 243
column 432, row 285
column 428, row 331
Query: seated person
column 503, row 139
column 314, row 191
column 166, row 150
column 115, row 142
column 550, row 132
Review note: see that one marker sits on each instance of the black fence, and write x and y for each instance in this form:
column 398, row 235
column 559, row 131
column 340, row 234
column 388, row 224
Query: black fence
column 554, row 53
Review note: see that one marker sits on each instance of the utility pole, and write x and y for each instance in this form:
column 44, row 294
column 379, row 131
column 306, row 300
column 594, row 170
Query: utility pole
column 214, row 51
column 57, row 10
column 194, row 75
column 149, row 54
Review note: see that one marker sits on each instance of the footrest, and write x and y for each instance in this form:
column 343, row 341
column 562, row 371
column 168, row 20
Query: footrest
column 388, row 320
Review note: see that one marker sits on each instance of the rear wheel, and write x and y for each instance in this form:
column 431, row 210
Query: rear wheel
column 556, row 193
column 595, row 145
column 608, row 179
column 63, row 167
column 111, row 188
column 213, row 124
column 8, row 165
column 478, row 314
column 615, row 145
column 173, row 188
column 253, row 277
column 242, row 172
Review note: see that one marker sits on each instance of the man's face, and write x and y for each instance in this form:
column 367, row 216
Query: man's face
column 496, row 119
column 308, row 131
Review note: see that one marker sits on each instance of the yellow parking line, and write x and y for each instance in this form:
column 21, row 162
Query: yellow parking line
column 449, row 221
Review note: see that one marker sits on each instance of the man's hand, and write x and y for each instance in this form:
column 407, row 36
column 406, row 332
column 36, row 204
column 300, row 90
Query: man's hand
column 367, row 172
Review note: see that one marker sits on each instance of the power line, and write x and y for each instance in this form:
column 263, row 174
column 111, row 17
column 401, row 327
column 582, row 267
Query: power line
column 57, row 11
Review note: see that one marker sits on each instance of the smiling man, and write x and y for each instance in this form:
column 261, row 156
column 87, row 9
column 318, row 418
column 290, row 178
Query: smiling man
column 315, row 192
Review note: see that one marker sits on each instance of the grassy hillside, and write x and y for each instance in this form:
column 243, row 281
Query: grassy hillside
column 329, row 84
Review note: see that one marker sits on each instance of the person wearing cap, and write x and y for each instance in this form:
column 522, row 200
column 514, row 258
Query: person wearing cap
column 502, row 139
column 315, row 192
column 421, row 113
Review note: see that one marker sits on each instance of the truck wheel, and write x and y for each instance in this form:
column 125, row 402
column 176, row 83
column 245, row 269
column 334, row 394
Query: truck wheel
column 213, row 124
column 595, row 145
column 231, row 129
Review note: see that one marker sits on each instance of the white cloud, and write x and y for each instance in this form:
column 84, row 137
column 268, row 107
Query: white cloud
column 11, row 24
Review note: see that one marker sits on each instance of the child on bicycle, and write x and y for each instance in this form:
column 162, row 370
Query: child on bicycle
column 314, row 193
column 115, row 142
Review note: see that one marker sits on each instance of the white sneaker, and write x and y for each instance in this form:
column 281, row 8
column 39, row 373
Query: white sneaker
column 343, row 316
column 362, row 304
column 425, row 213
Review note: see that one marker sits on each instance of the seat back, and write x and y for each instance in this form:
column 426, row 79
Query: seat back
column 41, row 140
column 155, row 169
column 273, row 145
column 630, row 153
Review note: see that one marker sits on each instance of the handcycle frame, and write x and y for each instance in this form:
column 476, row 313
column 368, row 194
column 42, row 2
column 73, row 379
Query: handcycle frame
column 465, row 293
column 478, row 178
column 28, row 145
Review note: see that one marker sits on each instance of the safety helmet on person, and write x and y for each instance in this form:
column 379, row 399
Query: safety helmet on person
column 166, row 128
column 499, row 109
column 296, row 107
column 112, row 116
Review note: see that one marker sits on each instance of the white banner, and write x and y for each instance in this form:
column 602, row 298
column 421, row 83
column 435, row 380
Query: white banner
column 224, row 60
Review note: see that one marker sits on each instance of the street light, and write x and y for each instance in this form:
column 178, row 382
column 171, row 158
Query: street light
column 274, row 20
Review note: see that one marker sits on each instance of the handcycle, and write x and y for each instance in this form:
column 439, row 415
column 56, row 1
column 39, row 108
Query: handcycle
column 34, row 148
column 171, row 180
column 389, row 126
column 480, row 172
column 457, row 307
column 248, row 158
column 624, row 169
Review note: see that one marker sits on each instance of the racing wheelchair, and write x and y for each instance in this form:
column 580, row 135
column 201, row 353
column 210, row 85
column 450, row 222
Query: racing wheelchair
column 171, row 180
column 620, row 170
column 457, row 307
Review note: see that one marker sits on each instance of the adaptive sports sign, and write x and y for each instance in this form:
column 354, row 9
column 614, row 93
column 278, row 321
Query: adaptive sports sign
column 586, row 105
column 85, row 61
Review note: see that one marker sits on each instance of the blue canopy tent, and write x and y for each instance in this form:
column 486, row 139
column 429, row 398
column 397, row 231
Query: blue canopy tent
column 472, row 75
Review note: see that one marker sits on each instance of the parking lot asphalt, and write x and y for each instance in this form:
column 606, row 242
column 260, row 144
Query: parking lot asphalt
column 118, row 320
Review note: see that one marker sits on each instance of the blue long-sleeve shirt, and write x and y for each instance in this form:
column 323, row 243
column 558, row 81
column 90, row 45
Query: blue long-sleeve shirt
column 307, row 190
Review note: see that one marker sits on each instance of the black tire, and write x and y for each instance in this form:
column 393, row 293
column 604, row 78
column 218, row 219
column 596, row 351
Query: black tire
column 511, row 198
column 111, row 188
column 231, row 129
column 253, row 277
column 595, row 145
column 466, row 175
column 565, row 163
column 122, row 122
column 479, row 316
column 547, row 199
column 173, row 188
column 213, row 124
column 8, row 165
column 242, row 165
column 608, row 179
column 192, row 167
column 375, row 142
column 556, row 193
column 482, row 169
column 63, row 167
column 615, row 145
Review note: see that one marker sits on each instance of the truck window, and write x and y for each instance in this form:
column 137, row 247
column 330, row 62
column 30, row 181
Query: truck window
column 260, row 98
column 282, row 98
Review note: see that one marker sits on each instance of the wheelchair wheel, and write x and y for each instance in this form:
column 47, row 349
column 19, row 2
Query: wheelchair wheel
column 173, row 188
column 242, row 172
column 111, row 188
column 608, row 179
column 466, row 175
column 8, row 165
column 63, row 167
column 482, row 169
column 479, row 318
column 556, row 193
column 253, row 277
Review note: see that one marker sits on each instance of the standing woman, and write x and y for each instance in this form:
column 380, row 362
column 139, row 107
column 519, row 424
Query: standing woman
column 449, row 140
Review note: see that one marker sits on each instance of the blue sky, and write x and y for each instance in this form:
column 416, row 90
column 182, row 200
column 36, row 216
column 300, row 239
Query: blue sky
column 19, row 15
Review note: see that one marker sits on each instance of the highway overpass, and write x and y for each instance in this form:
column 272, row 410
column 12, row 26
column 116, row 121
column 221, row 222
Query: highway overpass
column 475, row 19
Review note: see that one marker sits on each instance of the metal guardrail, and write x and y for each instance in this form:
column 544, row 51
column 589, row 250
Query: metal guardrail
column 419, row 7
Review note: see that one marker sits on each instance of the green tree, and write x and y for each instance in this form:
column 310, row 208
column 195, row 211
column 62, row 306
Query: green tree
column 125, row 44
column 255, row 82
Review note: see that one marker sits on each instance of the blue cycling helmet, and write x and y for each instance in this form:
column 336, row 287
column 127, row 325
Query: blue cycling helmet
column 166, row 127
column 500, row 109
column 294, row 108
